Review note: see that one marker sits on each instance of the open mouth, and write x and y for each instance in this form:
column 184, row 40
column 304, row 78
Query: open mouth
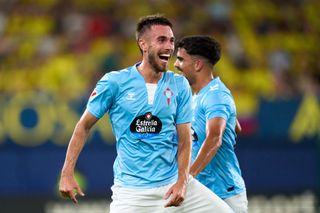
column 164, row 57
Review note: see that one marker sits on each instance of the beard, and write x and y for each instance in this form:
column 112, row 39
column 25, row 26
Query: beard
column 189, row 79
column 156, row 66
column 191, row 82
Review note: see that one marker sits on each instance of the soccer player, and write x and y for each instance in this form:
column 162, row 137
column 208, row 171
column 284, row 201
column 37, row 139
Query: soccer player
column 149, row 109
column 215, row 124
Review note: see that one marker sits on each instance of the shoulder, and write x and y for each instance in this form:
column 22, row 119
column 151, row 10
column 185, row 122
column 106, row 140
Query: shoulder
column 213, row 94
column 111, row 80
column 218, row 93
column 177, row 78
column 223, row 87
column 218, row 88
column 115, row 75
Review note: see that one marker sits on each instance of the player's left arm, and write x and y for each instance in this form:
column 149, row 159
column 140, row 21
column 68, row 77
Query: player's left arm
column 238, row 127
column 214, row 133
column 178, row 190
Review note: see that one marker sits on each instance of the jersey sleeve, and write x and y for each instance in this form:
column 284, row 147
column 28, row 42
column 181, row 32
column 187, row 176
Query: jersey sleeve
column 184, row 108
column 216, row 105
column 102, row 96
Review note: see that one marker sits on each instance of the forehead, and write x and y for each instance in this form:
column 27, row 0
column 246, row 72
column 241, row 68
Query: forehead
column 182, row 53
column 159, row 31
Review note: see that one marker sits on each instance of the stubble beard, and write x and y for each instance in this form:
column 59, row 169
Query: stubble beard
column 157, row 68
column 190, row 81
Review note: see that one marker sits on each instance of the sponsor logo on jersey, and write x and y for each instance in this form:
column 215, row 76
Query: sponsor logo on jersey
column 194, row 135
column 146, row 126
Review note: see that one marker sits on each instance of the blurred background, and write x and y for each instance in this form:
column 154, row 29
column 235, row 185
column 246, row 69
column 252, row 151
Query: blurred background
column 52, row 52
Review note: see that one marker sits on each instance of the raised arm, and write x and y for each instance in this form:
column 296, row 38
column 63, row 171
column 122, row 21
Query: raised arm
column 214, row 133
column 68, row 186
column 178, row 190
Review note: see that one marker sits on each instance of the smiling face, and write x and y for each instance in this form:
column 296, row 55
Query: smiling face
column 186, row 64
column 157, row 45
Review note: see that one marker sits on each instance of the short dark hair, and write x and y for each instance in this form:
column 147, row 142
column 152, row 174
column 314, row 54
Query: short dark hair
column 201, row 45
column 146, row 22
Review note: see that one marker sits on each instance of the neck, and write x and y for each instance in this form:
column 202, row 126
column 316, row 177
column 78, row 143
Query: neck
column 148, row 73
column 201, row 82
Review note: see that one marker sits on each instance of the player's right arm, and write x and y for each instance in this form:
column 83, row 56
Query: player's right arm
column 214, row 133
column 68, row 186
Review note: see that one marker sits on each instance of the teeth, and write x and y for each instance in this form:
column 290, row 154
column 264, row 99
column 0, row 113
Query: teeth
column 165, row 55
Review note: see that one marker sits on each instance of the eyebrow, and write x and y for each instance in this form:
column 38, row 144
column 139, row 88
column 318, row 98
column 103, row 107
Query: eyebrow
column 165, row 37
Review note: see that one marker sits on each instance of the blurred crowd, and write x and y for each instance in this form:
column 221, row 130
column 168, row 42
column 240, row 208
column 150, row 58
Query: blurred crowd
column 270, row 48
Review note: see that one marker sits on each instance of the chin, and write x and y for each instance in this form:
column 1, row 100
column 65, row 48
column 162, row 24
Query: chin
column 160, row 71
column 162, row 68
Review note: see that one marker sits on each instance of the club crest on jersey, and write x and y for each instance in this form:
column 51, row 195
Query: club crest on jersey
column 168, row 93
column 146, row 126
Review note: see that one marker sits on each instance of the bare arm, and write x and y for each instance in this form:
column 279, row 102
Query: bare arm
column 184, row 151
column 67, row 182
column 215, row 128
column 178, row 190
column 238, row 127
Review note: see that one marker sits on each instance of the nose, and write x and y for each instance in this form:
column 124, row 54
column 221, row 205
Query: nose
column 169, row 45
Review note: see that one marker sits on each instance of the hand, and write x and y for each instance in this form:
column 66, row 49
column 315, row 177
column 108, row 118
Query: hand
column 69, row 188
column 176, row 194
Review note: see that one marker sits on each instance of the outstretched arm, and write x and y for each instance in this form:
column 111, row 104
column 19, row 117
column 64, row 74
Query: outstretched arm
column 214, row 131
column 68, row 186
column 178, row 190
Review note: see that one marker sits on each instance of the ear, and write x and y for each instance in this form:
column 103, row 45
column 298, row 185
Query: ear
column 142, row 44
column 198, row 65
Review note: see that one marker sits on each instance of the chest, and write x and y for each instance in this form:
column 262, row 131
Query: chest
column 134, row 100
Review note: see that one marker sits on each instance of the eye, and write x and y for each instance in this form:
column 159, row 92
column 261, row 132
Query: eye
column 162, row 39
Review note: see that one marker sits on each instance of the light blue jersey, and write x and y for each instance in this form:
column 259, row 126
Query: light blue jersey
column 146, row 134
column 222, row 175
